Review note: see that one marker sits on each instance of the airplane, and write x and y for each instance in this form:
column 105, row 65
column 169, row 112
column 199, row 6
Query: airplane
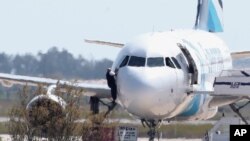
column 172, row 75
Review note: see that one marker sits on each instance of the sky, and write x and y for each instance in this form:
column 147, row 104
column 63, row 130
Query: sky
column 29, row 26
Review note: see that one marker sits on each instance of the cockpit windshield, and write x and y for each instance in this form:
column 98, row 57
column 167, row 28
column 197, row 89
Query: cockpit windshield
column 176, row 63
column 169, row 63
column 124, row 62
column 155, row 62
column 137, row 61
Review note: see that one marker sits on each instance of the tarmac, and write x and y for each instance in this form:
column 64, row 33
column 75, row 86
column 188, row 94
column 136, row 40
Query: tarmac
column 136, row 121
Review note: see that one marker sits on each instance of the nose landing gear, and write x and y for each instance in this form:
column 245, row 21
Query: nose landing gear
column 152, row 125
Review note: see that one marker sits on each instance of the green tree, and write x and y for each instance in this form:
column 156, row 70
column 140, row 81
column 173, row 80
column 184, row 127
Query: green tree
column 5, row 63
column 25, row 64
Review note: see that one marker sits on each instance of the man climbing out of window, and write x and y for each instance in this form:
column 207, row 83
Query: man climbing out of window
column 110, row 76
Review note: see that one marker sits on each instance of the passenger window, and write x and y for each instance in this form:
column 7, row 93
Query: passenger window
column 169, row 63
column 176, row 63
column 124, row 62
column 137, row 61
column 155, row 62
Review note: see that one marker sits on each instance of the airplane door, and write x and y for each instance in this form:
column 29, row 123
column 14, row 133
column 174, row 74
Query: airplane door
column 192, row 68
column 178, row 72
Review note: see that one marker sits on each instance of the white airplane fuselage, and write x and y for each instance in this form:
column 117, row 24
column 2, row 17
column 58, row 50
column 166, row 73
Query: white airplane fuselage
column 151, row 85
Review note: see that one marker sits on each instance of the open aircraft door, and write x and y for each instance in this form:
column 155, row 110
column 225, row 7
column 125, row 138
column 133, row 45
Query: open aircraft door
column 192, row 68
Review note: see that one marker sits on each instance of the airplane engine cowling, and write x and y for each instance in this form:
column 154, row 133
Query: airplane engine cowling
column 6, row 83
column 45, row 108
column 207, row 114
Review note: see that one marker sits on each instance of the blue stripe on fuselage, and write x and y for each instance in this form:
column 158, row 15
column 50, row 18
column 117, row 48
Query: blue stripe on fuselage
column 193, row 107
column 195, row 104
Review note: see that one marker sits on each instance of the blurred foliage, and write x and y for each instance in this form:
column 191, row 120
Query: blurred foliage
column 54, row 63
column 47, row 119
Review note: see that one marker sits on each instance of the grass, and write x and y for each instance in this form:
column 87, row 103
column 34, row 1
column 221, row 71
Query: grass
column 3, row 128
column 5, row 106
column 179, row 130
column 169, row 131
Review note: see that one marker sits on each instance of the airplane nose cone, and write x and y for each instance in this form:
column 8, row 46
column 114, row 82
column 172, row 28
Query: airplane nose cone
column 150, row 91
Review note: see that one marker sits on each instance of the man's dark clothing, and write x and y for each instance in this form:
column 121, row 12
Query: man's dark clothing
column 112, row 84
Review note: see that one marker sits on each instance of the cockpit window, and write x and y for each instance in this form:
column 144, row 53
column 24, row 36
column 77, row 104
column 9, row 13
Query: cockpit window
column 137, row 61
column 176, row 63
column 155, row 62
column 169, row 62
column 124, row 62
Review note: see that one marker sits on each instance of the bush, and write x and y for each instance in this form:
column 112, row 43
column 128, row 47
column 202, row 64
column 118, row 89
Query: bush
column 49, row 120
